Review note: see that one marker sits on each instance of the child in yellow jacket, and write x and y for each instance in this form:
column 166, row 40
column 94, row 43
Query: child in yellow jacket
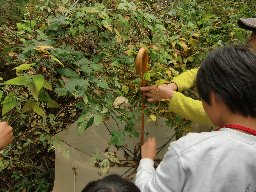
column 185, row 106
column 180, row 104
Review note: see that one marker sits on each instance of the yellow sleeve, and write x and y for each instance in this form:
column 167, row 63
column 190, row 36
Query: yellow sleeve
column 185, row 80
column 188, row 108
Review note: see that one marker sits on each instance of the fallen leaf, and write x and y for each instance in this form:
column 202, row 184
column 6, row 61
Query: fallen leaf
column 43, row 48
column 152, row 118
column 61, row 9
column 184, row 46
column 12, row 54
column 119, row 101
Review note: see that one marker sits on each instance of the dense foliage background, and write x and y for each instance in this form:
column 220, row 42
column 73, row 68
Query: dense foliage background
column 63, row 61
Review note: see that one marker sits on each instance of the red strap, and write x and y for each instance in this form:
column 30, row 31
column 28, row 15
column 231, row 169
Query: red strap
column 241, row 128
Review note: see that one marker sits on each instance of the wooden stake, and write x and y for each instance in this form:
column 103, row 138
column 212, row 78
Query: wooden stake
column 141, row 65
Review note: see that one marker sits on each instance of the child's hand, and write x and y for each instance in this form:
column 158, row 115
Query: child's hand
column 148, row 149
column 157, row 93
column 6, row 134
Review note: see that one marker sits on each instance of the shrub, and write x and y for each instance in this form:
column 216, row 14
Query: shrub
column 69, row 61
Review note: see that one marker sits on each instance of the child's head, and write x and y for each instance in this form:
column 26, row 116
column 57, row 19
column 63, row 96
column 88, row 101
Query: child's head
column 250, row 25
column 111, row 183
column 227, row 77
column 247, row 23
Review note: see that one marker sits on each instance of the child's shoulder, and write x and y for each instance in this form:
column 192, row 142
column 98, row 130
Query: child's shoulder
column 194, row 140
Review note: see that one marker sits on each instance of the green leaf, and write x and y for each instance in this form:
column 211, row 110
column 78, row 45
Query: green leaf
column 147, row 76
column 44, row 96
column 32, row 23
column 106, row 25
column 39, row 82
column 67, row 72
column 97, row 119
column 73, row 31
column 23, row 67
column 52, row 104
column 86, row 69
column 28, row 142
column 65, row 2
column 10, row 101
column 28, row 105
column 81, row 28
column 85, row 99
column 117, row 138
column 61, row 91
column 91, row 9
column 127, row 6
column 33, row 90
column 90, row 29
column 47, row 85
column 83, row 61
column 125, row 89
column 102, row 84
column 149, row 17
column 24, row 27
column 38, row 110
column 90, row 122
column 21, row 80
column 1, row 95
column 3, row 164
column 97, row 67
column 84, row 122
column 73, row 84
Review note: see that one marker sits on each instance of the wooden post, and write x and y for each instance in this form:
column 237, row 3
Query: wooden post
column 141, row 65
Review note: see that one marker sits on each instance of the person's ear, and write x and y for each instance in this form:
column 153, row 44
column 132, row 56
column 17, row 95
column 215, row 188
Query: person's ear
column 214, row 98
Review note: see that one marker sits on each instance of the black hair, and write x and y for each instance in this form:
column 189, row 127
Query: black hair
column 231, row 73
column 111, row 183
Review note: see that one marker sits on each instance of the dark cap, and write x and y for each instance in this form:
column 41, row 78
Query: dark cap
column 247, row 23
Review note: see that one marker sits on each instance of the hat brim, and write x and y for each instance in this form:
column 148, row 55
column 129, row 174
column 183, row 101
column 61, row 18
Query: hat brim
column 247, row 23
